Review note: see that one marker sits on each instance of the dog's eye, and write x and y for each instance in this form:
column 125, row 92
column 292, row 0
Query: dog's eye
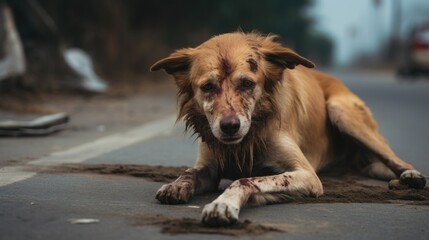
column 247, row 84
column 208, row 87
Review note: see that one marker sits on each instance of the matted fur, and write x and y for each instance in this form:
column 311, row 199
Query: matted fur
column 266, row 110
column 268, row 121
column 240, row 153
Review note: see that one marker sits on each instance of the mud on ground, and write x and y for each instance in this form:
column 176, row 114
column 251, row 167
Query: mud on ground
column 153, row 173
column 339, row 189
column 176, row 226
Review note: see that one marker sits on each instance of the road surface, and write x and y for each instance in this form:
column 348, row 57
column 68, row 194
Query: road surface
column 36, row 205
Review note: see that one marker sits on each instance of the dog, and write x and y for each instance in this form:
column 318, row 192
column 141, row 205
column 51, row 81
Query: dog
column 268, row 121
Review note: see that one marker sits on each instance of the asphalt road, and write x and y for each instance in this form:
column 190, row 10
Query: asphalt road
column 40, row 206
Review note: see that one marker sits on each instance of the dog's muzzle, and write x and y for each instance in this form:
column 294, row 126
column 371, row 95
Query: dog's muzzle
column 230, row 127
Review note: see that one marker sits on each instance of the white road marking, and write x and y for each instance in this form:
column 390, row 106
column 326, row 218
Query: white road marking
column 12, row 174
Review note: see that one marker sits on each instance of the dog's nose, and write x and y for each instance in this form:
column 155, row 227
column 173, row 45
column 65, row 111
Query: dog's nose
column 230, row 125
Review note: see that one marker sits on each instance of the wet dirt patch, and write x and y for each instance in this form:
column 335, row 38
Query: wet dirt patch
column 338, row 189
column 153, row 173
column 350, row 189
column 176, row 226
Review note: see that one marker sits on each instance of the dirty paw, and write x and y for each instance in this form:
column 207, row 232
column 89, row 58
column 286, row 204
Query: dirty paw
column 175, row 193
column 413, row 179
column 219, row 214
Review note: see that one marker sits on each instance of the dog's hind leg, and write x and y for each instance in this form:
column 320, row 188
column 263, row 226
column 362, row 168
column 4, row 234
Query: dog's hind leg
column 347, row 112
column 378, row 170
column 370, row 165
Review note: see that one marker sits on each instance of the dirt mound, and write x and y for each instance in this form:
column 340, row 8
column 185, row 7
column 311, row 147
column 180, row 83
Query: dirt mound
column 339, row 189
column 176, row 226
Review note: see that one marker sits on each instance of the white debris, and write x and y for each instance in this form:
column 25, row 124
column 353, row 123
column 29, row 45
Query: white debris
column 81, row 63
column 193, row 206
column 13, row 63
column 83, row 220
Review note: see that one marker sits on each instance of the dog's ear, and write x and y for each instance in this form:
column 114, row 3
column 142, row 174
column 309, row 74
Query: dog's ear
column 285, row 57
column 177, row 62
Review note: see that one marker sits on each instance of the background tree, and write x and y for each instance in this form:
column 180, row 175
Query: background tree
column 125, row 37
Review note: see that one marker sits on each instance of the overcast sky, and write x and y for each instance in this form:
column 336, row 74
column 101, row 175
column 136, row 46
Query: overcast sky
column 358, row 26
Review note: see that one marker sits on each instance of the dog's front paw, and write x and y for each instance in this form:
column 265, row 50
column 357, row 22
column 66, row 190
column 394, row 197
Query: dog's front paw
column 219, row 214
column 175, row 193
column 413, row 179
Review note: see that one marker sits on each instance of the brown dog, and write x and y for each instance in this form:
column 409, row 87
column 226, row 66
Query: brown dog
column 269, row 122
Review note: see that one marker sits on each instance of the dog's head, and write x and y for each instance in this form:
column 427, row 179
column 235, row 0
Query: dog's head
column 227, row 78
